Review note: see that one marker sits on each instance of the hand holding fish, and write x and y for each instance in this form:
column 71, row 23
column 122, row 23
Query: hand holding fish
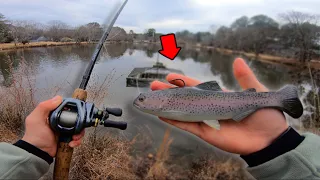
column 251, row 134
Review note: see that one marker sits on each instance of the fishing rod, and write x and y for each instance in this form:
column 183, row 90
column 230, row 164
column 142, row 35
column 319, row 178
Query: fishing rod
column 74, row 114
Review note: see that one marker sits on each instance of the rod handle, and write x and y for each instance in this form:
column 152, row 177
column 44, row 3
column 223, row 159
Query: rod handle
column 62, row 161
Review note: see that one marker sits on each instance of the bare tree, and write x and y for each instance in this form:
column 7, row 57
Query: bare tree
column 22, row 31
column 81, row 34
column 57, row 30
column 94, row 31
column 263, row 31
column 241, row 33
column 223, row 37
column 300, row 31
column 3, row 28
column 117, row 34
column 241, row 22
column 185, row 36
column 131, row 35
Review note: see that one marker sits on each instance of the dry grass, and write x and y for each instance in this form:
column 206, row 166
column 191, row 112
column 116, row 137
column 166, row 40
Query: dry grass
column 7, row 135
column 210, row 168
column 158, row 170
column 9, row 46
column 18, row 102
column 102, row 157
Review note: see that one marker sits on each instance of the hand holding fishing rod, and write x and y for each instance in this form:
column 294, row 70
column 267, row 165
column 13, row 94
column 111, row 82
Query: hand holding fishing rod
column 38, row 131
column 74, row 114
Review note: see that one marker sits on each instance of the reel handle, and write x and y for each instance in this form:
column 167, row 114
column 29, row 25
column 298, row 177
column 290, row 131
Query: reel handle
column 114, row 111
column 115, row 124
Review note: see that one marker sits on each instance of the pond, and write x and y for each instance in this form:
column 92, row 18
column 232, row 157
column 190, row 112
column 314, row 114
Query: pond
column 63, row 66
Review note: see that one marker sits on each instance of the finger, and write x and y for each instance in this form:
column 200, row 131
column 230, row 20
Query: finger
column 245, row 76
column 45, row 107
column 157, row 85
column 174, row 79
column 78, row 136
column 194, row 128
column 75, row 143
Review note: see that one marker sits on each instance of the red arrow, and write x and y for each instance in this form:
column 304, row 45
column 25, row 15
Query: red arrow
column 169, row 46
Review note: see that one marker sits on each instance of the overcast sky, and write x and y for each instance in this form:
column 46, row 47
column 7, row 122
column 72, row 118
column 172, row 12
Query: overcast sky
column 163, row 15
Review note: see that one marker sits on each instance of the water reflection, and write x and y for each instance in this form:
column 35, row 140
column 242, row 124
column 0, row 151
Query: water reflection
column 220, row 65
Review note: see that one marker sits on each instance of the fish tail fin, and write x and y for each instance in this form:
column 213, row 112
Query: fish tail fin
column 291, row 103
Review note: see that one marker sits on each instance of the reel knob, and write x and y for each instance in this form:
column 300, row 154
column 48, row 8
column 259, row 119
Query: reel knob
column 114, row 111
column 115, row 124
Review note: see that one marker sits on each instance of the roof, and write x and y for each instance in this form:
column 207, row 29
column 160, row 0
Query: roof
column 137, row 71
column 42, row 38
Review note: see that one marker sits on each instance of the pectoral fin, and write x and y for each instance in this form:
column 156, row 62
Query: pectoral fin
column 243, row 115
column 213, row 123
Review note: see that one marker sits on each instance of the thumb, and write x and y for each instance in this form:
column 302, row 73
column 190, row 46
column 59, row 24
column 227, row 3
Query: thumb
column 245, row 76
column 45, row 107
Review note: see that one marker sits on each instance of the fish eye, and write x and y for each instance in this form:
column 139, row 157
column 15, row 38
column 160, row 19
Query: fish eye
column 141, row 99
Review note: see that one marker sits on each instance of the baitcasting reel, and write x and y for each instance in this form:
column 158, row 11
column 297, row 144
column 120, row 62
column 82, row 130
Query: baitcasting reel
column 73, row 115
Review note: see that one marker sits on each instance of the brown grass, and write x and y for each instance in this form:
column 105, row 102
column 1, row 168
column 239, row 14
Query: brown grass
column 18, row 102
column 210, row 168
column 159, row 170
column 9, row 46
column 102, row 157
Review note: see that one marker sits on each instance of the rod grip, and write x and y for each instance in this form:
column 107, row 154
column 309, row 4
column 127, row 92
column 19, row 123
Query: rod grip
column 62, row 161
column 80, row 94
column 64, row 151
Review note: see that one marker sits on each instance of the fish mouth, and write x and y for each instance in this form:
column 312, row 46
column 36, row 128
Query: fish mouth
column 142, row 109
column 136, row 105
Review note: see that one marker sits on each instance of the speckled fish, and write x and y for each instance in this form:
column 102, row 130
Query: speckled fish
column 208, row 103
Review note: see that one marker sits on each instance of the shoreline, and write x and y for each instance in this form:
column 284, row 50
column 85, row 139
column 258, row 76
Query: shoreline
column 267, row 58
column 11, row 46
column 262, row 57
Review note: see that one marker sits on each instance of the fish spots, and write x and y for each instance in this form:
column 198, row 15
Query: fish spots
column 195, row 102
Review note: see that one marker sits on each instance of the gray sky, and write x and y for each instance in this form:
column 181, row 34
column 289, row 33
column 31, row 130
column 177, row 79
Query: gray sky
column 164, row 15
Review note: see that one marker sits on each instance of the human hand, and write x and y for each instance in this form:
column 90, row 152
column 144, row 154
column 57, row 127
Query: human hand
column 38, row 131
column 252, row 134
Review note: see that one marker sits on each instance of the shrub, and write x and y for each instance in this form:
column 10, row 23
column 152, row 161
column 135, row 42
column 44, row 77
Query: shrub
column 25, row 42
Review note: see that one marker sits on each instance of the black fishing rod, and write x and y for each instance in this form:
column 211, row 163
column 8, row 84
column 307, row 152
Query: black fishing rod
column 74, row 114
column 96, row 53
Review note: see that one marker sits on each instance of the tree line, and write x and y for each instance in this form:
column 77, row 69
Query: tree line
column 297, row 37
column 23, row 31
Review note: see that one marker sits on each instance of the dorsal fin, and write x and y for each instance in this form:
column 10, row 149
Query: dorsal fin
column 211, row 85
column 250, row 90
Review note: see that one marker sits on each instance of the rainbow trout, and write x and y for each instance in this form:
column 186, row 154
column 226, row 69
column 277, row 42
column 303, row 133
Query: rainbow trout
column 208, row 103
